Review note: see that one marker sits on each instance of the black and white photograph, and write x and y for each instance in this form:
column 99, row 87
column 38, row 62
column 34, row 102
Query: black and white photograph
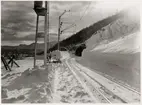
column 70, row 52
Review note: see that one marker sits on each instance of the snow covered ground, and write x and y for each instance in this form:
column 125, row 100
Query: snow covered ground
column 24, row 85
column 101, row 88
column 124, row 92
column 53, row 85
column 67, row 89
column 57, row 84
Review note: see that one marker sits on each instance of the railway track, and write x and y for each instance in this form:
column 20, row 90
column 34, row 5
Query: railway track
column 124, row 92
column 67, row 88
column 98, row 92
column 119, row 83
column 92, row 87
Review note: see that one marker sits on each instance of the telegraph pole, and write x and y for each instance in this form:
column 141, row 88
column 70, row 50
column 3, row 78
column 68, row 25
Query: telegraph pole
column 59, row 32
column 36, row 41
column 48, row 27
column 46, row 30
column 59, row 29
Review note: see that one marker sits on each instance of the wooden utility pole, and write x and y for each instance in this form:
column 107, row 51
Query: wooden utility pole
column 59, row 29
column 46, row 34
column 48, row 27
column 35, row 47
column 59, row 32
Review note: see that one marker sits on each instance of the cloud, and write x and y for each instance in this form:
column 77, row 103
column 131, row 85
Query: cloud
column 15, row 19
column 18, row 19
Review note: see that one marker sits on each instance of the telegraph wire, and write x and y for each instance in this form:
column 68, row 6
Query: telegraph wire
column 81, row 17
column 85, row 10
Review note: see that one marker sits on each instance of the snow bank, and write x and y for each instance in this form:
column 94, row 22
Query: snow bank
column 27, row 85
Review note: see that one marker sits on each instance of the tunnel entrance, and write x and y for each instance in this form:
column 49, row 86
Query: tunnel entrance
column 80, row 49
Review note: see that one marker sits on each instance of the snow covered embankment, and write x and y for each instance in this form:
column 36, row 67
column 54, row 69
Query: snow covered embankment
column 27, row 86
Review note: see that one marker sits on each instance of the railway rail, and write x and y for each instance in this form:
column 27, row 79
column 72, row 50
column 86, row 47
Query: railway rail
column 98, row 92
column 119, row 83
column 94, row 93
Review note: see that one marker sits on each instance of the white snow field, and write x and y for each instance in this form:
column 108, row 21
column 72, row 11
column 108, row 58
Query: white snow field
column 54, row 85
column 116, row 50
column 126, row 44
column 24, row 85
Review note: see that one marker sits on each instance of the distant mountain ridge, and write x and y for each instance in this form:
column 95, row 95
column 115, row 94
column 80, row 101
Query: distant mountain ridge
column 25, row 48
column 30, row 46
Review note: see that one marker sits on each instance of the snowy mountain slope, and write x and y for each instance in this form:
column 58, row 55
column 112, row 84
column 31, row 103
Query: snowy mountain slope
column 129, row 24
column 127, row 44
column 115, row 50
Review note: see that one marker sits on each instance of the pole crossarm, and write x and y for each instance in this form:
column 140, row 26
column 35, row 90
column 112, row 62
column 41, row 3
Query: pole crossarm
column 64, row 13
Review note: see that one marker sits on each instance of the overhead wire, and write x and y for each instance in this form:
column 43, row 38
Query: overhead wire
column 81, row 17
column 74, row 23
column 80, row 12
column 85, row 10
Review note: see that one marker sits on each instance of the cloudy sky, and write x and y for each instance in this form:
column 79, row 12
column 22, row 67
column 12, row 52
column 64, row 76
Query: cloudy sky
column 18, row 18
